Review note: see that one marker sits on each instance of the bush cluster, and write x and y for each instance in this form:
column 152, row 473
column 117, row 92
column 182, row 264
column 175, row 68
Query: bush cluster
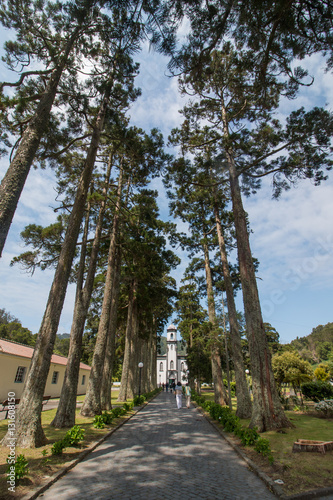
column 325, row 408
column 139, row 400
column 100, row 421
column 21, row 469
column 231, row 423
column 71, row 438
column 201, row 400
column 317, row 391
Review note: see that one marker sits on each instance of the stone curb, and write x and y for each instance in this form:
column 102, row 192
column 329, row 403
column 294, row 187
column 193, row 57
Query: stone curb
column 38, row 491
column 275, row 488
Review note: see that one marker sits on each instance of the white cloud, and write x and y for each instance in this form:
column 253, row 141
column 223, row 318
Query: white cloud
column 293, row 241
column 293, row 235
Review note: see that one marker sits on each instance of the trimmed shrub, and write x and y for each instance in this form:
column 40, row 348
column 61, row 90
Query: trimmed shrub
column 118, row 411
column 232, row 424
column 207, row 405
column 138, row 400
column 128, row 406
column 317, row 391
column 20, row 467
column 74, row 436
column 58, row 447
column 221, row 413
column 248, row 436
column 107, row 417
column 71, row 438
column 98, row 422
column 263, row 447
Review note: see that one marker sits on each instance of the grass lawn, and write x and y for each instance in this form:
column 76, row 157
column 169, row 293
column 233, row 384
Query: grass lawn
column 42, row 467
column 300, row 471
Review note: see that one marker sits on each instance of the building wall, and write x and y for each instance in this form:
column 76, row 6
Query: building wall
column 161, row 374
column 8, row 368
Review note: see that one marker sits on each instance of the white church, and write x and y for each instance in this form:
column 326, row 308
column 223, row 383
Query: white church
column 171, row 367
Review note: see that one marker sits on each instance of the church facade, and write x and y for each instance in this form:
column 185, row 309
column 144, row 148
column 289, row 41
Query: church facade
column 171, row 367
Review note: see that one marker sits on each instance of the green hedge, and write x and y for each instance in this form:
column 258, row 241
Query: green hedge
column 317, row 391
column 106, row 418
column 231, row 423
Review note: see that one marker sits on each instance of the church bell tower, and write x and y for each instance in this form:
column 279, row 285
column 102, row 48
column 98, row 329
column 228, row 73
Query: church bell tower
column 172, row 354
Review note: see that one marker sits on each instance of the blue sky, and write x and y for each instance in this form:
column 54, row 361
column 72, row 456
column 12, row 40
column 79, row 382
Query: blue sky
column 292, row 238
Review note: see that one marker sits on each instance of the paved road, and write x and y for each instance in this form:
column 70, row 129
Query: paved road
column 162, row 453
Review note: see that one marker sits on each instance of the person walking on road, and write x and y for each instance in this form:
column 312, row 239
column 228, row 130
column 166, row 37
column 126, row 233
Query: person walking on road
column 179, row 392
column 188, row 395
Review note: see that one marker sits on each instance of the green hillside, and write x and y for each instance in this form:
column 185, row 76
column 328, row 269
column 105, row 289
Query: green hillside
column 318, row 346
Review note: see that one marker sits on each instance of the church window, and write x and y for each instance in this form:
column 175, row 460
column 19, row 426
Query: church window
column 171, row 347
column 171, row 336
column 182, row 367
column 161, row 367
column 171, row 365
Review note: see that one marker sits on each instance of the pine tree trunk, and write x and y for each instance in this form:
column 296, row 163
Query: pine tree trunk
column 124, row 392
column 92, row 403
column 145, row 350
column 122, row 396
column 153, row 360
column 29, row 432
column 267, row 411
column 65, row 416
column 244, row 405
column 13, row 182
column 111, row 340
column 133, row 372
column 219, row 389
column 191, row 378
column 139, row 374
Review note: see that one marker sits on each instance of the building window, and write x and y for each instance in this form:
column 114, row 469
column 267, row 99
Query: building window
column 20, row 374
column 55, row 378
column 161, row 367
column 171, row 347
column 182, row 367
column 83, row 380
column 171, row 336
column 171, row 365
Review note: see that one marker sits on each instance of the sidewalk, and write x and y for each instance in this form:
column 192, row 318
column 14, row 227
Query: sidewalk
column 162, row 453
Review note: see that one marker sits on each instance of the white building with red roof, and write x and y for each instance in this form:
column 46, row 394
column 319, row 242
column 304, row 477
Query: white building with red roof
column 15, row 360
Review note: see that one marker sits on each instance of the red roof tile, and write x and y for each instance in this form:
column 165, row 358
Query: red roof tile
column 9, row 347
